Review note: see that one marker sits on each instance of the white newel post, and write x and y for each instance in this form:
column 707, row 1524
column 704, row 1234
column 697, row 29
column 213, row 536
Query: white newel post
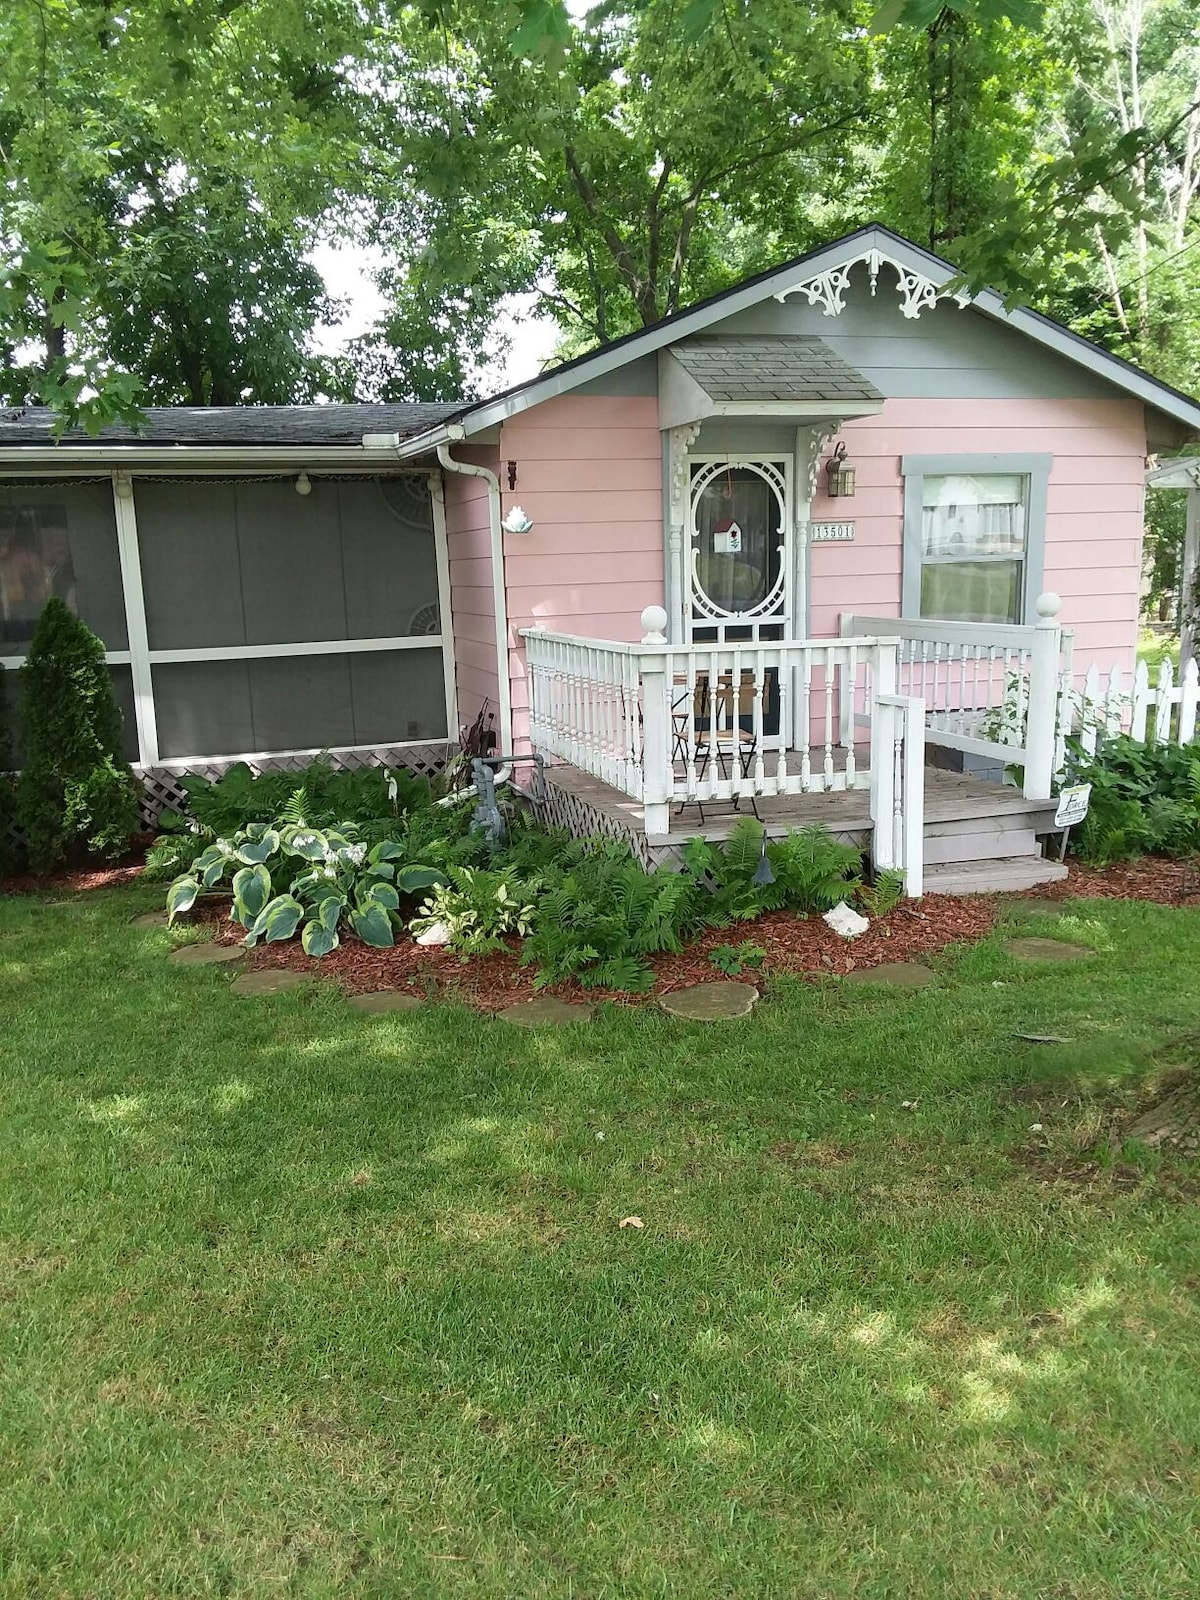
column 883, row 771
column 913, row 821
column 1041, row 723
column 656, row 725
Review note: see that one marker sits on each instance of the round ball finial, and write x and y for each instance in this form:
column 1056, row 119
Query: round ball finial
column 1048, row 605
column 654, row 625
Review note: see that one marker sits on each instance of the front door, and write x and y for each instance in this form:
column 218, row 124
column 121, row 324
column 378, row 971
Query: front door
column 740, row 514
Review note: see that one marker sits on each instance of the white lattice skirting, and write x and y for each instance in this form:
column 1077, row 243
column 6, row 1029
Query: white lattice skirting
column 562, row 809
column 162, row 785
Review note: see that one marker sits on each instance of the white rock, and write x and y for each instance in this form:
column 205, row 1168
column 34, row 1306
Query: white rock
column 845, row 920
column 436, row 933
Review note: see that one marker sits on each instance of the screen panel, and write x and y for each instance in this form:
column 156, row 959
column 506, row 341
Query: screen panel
column 59, row 540
column 256, row 563
column 218, row 708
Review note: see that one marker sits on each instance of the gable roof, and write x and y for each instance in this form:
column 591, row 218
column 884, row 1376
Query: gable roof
column 796, row 366
column 816, row 274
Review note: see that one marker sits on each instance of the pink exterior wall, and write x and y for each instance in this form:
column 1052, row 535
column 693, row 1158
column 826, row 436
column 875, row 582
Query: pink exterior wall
column 1093, row 510
column 468, row 542
column 589, row 474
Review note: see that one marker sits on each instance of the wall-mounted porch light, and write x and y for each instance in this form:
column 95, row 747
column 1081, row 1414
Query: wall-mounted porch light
column 839, row 475
column 517, row 522
column 303, row 483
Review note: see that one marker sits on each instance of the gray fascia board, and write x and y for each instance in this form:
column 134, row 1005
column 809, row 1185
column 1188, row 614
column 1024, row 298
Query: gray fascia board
column 872, row 237
column 1089, row 356
column 41, row 459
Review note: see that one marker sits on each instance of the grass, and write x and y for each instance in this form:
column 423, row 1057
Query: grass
column 302, row 1302
column 1154, row 648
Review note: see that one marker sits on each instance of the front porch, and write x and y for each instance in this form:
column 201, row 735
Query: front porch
column 976, row 834
column 656, row 743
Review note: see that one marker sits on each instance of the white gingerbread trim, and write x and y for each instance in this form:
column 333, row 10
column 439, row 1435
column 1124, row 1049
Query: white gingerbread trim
column 828, row 289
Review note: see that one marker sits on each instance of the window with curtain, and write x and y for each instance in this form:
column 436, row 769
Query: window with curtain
column 974, row 546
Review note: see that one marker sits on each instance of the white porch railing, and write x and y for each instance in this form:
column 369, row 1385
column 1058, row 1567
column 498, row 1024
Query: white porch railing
column 989, row 689
column 672, row 725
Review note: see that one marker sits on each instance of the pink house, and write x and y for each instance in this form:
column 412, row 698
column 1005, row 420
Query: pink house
column 834, row 545
column 844, row 449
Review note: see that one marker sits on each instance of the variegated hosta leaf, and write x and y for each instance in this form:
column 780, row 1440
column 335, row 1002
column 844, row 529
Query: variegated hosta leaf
column 214, row 872
column 181, row 896
column 381, row 894
column 409, row 880
column 373, row 927
column 304, row 842
column 329, row 912
column 278, row 919
column 318, row 940
column 254, row 851
column 382, row 869
column 386, row 850
column 251, row 891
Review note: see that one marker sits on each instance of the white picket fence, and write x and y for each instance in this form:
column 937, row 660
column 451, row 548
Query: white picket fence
column 1162, row 707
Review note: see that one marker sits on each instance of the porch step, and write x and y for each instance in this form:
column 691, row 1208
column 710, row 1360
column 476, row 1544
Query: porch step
column 989, row 877
column 992, row 842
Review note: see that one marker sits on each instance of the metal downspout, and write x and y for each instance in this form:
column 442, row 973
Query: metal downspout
column 499, row 594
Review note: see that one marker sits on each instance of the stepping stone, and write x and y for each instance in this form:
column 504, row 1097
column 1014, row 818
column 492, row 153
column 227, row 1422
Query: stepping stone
column 710, row 1002
column 1045, row 950
column 546, row 1013
column 1041, row 908
column 149, row 919
column 383, row 1000
column 267, row 980
column 893, row 975
column 207, row 955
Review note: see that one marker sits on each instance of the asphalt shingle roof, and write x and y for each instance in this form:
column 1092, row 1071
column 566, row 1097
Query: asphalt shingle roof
column 236, row 425
column 771, row 366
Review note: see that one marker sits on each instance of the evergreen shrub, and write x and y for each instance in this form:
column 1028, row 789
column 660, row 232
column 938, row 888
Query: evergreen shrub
column 76, row 797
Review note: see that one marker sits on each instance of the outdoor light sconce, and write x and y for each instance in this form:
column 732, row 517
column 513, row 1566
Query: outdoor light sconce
column 303, row 484
column 512, row 474
column 517, row 522
column 839, row 475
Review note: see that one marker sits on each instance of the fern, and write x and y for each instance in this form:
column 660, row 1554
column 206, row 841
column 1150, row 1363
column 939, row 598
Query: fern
column 884, row 895
column 605, row 916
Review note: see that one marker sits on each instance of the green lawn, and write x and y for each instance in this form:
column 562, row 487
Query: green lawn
column 301, row 1302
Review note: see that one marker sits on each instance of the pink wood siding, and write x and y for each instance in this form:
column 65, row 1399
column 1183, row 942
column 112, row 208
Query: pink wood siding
column 1093, row 513
column 589, row 473
column 468, row 543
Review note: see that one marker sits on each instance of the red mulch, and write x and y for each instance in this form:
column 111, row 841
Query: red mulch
column 794, row 944
column 1157, row 878
column 79, row 880
column 801, row 946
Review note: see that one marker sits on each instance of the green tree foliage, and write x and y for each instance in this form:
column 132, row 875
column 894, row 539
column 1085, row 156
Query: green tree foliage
column 166, row 167
column 76, row 797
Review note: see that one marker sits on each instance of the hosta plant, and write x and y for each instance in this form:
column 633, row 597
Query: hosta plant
column 478, row 908
column 307, row 880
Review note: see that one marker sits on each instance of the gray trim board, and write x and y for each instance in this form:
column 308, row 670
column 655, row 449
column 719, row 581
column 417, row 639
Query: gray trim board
column 1034, row 468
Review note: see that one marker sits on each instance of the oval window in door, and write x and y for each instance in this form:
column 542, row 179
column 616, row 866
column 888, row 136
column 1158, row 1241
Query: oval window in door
column 737, row 517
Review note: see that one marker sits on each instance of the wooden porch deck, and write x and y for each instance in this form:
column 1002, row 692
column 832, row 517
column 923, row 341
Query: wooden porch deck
column 979, row 835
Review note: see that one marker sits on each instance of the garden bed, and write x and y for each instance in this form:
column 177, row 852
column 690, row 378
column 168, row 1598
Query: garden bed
column 796, row 945
column 1165, row 880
